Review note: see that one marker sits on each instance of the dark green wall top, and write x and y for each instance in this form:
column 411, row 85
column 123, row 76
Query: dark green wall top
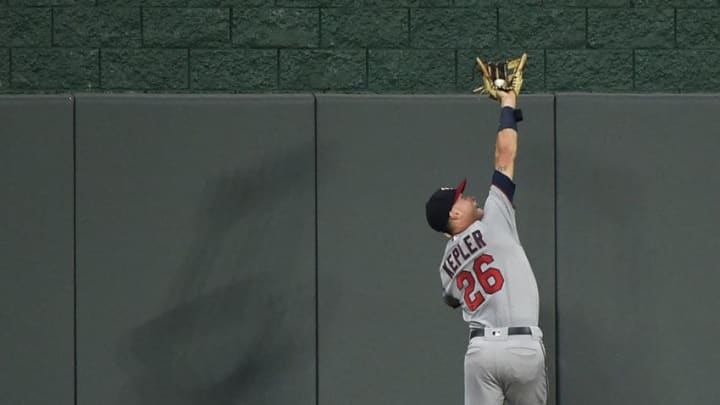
column 356, row 46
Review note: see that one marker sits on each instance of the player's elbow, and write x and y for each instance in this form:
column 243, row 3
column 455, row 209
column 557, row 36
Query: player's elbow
column 451, row 301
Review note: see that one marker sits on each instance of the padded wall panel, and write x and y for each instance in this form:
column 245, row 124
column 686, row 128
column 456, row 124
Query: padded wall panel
column 36, row 250
column 638, row 193
column 384, row 334
column 196, row 250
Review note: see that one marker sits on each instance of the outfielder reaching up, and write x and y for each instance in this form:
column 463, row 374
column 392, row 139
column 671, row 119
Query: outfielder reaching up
column 485, row 271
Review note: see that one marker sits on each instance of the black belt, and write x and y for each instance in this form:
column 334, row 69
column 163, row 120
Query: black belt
column 513, row 330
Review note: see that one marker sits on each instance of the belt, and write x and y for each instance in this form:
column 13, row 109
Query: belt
column 513, row 330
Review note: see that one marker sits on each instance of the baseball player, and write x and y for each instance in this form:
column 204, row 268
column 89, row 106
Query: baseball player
column 484, row 271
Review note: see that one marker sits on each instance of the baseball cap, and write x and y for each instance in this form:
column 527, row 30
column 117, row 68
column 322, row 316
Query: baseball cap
column 437, row 208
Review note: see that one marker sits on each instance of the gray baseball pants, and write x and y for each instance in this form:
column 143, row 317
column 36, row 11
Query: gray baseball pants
column 505, row 370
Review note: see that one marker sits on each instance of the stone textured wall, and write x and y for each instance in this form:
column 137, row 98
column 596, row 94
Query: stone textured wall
column 357, row 46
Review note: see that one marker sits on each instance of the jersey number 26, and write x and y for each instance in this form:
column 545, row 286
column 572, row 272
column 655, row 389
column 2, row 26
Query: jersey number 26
column 466, row 281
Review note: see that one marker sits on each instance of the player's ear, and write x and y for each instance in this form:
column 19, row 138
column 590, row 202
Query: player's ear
column 454, row 213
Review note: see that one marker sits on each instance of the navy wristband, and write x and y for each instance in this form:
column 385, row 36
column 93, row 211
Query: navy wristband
column 507, row 118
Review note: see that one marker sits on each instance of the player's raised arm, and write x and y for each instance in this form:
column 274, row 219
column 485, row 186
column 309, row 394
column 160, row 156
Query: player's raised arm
column 506, row 143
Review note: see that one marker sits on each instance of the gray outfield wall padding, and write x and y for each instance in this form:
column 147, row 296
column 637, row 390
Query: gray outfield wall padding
column 638, row 193
column 385, row 337
column 196, row 250
column 36, row 250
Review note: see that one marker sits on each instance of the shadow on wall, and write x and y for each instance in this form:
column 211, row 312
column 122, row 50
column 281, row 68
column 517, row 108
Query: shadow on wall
column 241, row 328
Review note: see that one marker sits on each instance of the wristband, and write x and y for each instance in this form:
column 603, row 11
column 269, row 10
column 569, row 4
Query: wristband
column 509, row 117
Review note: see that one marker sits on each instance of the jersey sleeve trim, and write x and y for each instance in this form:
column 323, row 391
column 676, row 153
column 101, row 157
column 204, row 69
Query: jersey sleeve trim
column 505, row 184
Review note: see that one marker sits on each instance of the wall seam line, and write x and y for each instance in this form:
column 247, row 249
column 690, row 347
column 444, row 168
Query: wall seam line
column 317, row 267
column 555, row 273
column 75, row 356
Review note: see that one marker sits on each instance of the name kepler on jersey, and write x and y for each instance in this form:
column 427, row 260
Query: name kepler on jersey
column 463, row 250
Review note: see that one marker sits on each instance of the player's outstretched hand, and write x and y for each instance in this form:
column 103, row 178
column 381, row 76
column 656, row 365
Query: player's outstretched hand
column 507, row 98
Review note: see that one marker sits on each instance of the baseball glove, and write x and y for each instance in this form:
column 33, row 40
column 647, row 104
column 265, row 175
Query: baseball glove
column 504, row 76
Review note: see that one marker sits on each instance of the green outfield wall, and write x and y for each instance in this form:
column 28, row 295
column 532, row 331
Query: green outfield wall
column 355, row 46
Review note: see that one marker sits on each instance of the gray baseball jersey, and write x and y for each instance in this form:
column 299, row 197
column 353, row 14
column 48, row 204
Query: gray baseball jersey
column 486, row 269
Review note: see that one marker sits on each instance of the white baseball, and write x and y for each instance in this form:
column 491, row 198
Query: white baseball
column 499, row 83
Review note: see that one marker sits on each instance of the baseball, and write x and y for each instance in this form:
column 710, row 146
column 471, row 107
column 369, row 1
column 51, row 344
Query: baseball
column 499, row 83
